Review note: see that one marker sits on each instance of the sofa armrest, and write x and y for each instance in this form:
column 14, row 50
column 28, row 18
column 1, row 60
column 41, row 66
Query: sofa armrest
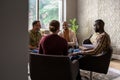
column 74, row 68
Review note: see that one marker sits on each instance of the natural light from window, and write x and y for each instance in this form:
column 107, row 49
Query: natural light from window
column 45, row 11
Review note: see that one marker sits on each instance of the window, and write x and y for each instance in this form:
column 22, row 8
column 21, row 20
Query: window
column 45, row 11
column 32, row 13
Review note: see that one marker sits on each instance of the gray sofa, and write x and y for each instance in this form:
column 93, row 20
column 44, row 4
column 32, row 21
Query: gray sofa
column 52, row 67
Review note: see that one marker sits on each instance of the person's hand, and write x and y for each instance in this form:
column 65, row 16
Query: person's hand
column 83, row 48
column 77, row 53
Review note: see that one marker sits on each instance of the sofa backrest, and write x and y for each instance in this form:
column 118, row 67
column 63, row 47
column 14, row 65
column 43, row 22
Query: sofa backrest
column 50, row 67
column 98, row 64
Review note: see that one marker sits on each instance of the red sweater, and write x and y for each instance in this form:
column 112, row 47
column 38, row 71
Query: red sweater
column 53, row 44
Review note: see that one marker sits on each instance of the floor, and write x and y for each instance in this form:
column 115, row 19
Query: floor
column 115, row 64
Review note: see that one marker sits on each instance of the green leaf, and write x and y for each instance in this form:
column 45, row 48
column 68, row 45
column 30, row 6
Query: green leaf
column 74, row 26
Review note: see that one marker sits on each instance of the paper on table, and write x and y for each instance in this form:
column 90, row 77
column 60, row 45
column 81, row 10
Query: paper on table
column 88, row 46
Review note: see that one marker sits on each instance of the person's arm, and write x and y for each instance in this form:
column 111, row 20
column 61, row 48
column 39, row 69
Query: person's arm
column 73, row 39
column 84, row 48
column 71, row 43
column 30, row 41
column 40, row 45
column 40, row 49
column 32, row 47
column 100, row 45
column 65, row 48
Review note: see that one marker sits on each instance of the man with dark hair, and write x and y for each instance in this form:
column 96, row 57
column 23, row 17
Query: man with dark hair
column 100, row 40
column 53, row 44
column 34, row 35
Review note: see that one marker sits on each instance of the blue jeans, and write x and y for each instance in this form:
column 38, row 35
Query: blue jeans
column 71, row 50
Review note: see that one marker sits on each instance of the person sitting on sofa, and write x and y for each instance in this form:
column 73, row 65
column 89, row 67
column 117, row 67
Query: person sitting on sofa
column 53, row 44
column 34, row 35
column 100, row 40
column 68, row 34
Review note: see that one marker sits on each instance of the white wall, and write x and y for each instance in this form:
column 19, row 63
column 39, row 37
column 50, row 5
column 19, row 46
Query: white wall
column 13, row 39
column 87, row 14
column 71, row 9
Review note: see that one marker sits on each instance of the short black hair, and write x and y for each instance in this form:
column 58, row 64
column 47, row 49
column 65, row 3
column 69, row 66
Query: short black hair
column 100, row 22
column 54, row 25
column 35, row 22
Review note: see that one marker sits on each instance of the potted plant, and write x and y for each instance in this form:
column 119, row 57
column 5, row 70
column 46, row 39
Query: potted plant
column 73, row 25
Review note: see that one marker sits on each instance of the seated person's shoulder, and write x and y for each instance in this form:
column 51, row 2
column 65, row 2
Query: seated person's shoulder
column 103, row 34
